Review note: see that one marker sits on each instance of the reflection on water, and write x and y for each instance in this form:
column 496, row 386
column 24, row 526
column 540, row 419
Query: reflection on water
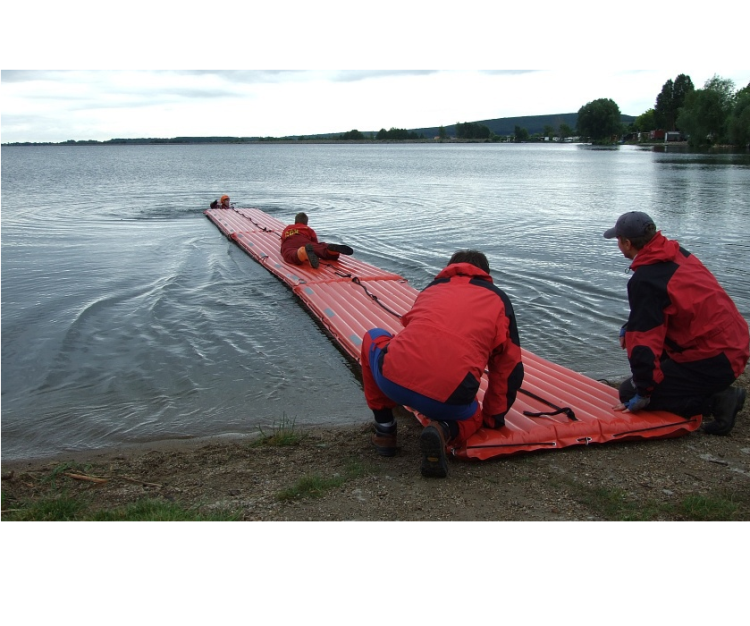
column 127, row 317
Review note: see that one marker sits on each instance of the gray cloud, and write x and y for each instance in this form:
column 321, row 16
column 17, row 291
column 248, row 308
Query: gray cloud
column 94, row 76
column 277, row 76
column 357, row 75
column 230, row 77
column 243, row 76
column 508, row 72
column 23, row 76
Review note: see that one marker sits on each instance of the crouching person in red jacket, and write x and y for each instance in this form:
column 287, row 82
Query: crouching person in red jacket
column 686, row 341
column 460, row 325
column 299, row 243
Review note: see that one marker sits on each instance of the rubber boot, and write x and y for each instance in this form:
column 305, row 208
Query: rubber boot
column 725, row 406
column 340, row 248
column 384, row 440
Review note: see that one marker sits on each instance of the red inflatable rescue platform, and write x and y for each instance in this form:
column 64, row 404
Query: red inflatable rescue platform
column 556, row 407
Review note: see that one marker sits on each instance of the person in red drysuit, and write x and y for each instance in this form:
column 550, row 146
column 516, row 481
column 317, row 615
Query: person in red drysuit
column 221, row 204
column 299, row 243
column 686, row 341
column 460, row 325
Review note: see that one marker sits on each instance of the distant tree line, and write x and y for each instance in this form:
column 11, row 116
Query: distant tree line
column 352, row 135
column 715, row 114
column 472, row 130
column 394, row 134
column 143, row 141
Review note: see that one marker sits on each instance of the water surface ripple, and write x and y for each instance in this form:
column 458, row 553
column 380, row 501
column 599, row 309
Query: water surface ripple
column 127, row 317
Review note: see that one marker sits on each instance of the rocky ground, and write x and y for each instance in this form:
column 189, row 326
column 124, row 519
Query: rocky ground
column 334, row 474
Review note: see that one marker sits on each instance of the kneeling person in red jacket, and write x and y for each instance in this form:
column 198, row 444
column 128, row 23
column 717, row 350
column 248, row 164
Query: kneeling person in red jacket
column 299, row 243
column 460, row 324
column 686, row 341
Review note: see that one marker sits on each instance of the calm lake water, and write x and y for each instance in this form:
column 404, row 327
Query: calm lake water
column 127, row 317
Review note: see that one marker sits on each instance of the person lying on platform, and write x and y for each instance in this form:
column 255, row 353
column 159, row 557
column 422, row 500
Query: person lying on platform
column 459, row 325
column 299, row 243
column 686, row 341
column 214, row 204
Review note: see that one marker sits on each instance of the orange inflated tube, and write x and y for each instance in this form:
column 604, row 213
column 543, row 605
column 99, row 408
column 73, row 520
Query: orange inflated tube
column 353, row 297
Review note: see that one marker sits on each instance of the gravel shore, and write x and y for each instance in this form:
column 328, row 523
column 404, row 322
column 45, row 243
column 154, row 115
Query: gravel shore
column 334, row 474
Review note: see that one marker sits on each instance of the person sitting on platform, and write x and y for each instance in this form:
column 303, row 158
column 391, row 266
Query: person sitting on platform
column 459, row 325
column 685, row 339
column 299, row 243
column 224, row 203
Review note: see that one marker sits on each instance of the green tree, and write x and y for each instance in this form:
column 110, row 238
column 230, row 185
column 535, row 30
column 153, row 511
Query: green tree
column 724, row 88
column 682, row 87
column 472, row 130
column 702, row 118
column 441, row 133
column 599, row 120
column 738, row 128
column 521, row 134
column 564, row 131
column 352, row 135
column 548, row 130
column 671, row 100
column 706, row 113
column 395, row 134
column 663, row 106
column 645, row 121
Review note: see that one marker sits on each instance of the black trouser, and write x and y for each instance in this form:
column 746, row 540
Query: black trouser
column 687, row 387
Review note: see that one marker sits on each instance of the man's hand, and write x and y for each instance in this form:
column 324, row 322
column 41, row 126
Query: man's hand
column 636, row 403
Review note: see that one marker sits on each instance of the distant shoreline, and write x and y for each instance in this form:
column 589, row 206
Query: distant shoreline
column 272, row 142
column 370, row 142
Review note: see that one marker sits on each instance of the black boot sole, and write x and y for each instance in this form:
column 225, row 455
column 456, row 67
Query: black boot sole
column 311, row 256
column 434, row 461
column 340, row 248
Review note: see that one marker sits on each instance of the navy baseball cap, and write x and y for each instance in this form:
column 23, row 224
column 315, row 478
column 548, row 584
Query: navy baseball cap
column 630, row 225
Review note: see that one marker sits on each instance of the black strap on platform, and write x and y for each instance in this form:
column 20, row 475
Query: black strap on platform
column 567, row 410
column 259, row 225
column 357, row 281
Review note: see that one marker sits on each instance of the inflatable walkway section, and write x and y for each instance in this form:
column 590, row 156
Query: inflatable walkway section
column 556, row 408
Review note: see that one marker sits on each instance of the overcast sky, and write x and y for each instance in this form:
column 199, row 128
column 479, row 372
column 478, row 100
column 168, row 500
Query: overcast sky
column 120, row 95
column 103, row 104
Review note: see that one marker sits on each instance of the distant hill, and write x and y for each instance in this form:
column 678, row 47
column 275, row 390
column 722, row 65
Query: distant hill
column 507, row 125
column 500, row 126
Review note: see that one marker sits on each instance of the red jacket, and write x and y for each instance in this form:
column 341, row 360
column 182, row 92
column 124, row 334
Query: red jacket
column 459, row 325
column 297, row 235
column 678, row 309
